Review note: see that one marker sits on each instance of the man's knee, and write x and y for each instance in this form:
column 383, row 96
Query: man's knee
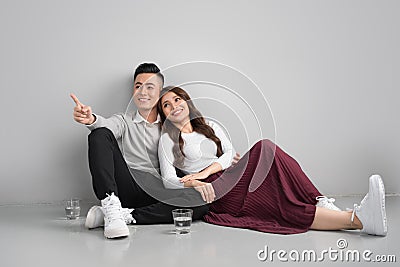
column 99, row 135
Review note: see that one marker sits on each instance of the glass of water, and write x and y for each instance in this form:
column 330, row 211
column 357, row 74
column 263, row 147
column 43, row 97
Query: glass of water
column 182, row 220
column 72, row 209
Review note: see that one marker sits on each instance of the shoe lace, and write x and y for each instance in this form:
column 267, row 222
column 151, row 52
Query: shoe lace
column 325, row 199
column 128, row 216
column 113, row 211
column 355, row 207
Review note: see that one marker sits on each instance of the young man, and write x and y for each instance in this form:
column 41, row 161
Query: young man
column 124, row 165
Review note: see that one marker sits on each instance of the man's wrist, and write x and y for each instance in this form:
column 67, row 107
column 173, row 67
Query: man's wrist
column 92, row 120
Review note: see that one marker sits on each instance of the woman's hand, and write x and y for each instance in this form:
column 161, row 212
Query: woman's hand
column 195, row 176
column 206, row 190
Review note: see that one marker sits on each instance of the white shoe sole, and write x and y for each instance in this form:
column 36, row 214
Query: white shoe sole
column 378, row 198
column 91, row 218
column 115, row 233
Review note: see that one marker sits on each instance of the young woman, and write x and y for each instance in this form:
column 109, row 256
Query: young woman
column 265, row 191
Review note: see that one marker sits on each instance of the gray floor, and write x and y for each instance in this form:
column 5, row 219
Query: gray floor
column 41, row 236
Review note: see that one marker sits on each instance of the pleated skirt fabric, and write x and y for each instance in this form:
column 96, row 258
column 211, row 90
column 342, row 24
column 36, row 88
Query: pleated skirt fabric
column 265, row 191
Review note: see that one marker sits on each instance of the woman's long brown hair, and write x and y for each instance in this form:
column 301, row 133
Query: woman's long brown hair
column 196, row 119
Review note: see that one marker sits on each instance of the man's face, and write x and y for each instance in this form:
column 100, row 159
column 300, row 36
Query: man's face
column 146, row 91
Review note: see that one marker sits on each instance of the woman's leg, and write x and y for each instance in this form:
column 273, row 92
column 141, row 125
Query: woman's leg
column 326, row 219
column 266, row 191
column 370, row 215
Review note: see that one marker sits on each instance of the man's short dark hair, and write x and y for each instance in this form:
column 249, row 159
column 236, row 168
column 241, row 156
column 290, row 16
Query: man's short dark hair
column 148, row 68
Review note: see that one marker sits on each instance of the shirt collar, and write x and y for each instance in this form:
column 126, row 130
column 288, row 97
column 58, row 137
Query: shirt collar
column 139, row 118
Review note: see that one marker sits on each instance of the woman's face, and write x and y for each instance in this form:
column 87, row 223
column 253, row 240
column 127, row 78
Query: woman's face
column 175, row 108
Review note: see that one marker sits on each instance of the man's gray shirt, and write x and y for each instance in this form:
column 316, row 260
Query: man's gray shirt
column 137, row 139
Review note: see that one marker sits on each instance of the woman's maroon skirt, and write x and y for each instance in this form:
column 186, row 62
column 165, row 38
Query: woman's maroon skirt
column 265, row 191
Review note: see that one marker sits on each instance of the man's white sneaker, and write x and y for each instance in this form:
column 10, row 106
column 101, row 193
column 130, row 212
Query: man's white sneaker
column 95, row 217
column 114, row 223
column 371, row 211
column 325, row 202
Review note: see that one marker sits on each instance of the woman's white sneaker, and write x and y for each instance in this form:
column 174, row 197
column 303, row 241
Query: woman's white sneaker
column 371, row 211
column 327, row 203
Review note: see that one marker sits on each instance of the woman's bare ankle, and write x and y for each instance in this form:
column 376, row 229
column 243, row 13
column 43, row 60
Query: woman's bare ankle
column 355, row 223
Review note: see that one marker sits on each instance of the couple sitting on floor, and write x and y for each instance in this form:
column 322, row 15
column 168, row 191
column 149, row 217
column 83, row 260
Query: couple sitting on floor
column 167, row 156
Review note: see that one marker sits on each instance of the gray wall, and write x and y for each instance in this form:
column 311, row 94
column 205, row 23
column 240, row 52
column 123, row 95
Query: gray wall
column 328, row 69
